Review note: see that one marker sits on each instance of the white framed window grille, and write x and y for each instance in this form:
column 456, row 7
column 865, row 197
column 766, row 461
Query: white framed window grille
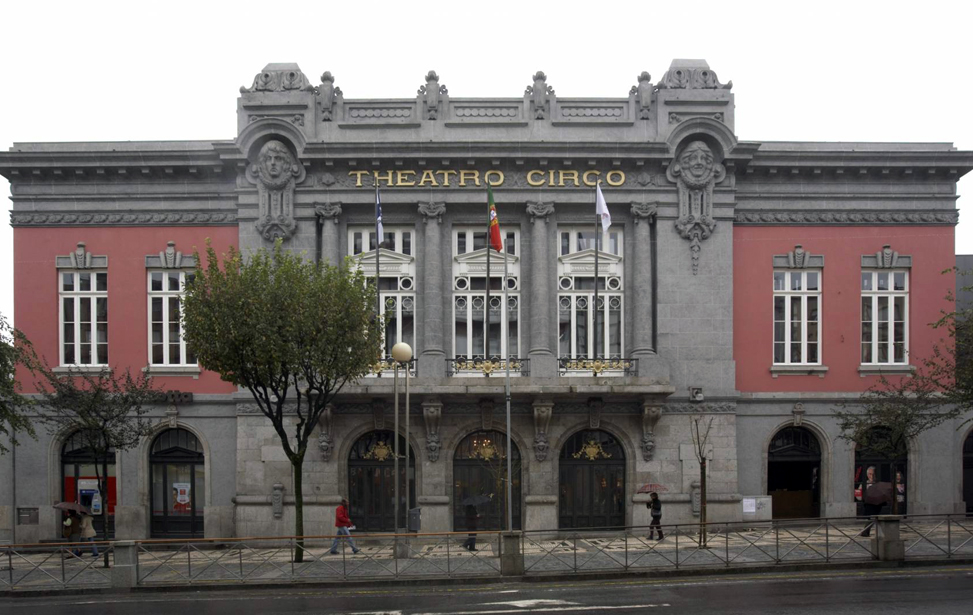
column 83, row 317
column 797, row 317
column 397, row 283
column 884, row 317
column 578, row 317
column 470, row 332
column 167, row 342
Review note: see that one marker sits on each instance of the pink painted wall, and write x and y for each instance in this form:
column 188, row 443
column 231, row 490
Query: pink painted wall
column 931, row 249
column 36, row 289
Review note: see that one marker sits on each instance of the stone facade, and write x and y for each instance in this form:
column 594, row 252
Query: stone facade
column 683, row 192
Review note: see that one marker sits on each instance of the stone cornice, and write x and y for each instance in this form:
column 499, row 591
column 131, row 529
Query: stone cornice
column 124, row 218
column 845, row 218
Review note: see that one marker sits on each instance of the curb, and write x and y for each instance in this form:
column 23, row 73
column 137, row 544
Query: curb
column 217, row 586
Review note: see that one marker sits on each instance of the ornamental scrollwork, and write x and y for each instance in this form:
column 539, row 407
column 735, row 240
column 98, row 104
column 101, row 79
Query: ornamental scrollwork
column 432, row 211
column 539, row 209
column 845, row 217
column 591, row 451
column 696, row 173
column 539, row 94
column 430, row 94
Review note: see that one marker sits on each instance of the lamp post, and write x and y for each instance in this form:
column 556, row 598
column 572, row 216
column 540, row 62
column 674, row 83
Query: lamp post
column 401, row 353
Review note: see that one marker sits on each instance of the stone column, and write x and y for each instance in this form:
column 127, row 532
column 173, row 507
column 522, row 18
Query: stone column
column 432, row 355
column 329, row 214
column 543, row 361
column 640, row 292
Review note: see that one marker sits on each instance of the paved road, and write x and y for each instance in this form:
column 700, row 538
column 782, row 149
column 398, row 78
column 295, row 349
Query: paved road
column 928, row 591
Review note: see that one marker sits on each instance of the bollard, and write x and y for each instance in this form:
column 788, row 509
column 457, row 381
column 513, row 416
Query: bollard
column 511, row 557
column 124, row 574
column 888, row 546
column 402, row 547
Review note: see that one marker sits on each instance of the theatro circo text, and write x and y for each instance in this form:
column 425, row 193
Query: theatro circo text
column 448, row 178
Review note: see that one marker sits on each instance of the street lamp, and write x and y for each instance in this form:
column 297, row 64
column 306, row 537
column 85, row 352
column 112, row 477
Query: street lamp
column 401, row 353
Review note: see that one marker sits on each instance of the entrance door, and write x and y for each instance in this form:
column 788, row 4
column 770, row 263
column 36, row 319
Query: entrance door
column 178, row 491
column 480, row 479
column 80, row 469
column 371, row 488
column 592, row 482
column 794, row 474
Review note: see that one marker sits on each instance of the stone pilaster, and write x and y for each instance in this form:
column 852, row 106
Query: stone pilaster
column 432, row 355
column 329, row 214
column 640, row 293
column 543, row 362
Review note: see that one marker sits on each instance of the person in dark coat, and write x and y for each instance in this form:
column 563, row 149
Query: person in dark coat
column 471, row 517
column 871, row 506
column 655, row 507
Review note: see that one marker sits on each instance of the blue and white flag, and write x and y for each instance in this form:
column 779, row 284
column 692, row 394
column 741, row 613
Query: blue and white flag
column 379, row 229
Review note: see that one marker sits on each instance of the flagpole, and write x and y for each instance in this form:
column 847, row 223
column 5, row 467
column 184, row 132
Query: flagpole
column 378, row 268
column 597, row 249
column 504, row 310
column 486, row 307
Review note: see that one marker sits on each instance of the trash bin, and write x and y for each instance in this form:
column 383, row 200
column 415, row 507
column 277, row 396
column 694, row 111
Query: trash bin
column 415, row 519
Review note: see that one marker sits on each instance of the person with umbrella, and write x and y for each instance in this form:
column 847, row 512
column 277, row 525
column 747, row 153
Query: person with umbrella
column 875, row 495
column 472, row 516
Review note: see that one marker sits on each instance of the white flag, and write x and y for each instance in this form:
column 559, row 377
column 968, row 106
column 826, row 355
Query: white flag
column 601, row 209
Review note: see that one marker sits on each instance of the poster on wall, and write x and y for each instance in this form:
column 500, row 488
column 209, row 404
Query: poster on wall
column 180, row 498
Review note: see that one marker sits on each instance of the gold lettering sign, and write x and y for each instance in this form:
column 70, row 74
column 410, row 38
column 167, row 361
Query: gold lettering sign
column 471, row 178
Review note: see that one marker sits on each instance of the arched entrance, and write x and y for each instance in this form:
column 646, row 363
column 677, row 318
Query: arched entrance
column 178, row 494
column 794, row 473
column 480, row 477
column 592, row 481
column 79, row 479
column 371, row 488
column 968, row 473
column 884, row 467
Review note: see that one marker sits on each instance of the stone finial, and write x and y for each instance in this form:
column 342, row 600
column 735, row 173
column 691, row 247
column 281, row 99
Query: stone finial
column 430, row 94
column 643, row 94
column 279, row 78
column 539, row 93
column 327, row 95
column 692, row 75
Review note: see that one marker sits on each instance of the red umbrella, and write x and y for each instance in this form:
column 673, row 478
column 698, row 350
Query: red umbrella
column 66, row 506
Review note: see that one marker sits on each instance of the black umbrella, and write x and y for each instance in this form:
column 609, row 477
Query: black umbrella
column 72, row 506
column 476, row 500
column 878, row 494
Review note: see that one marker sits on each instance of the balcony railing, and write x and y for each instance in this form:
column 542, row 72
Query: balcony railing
column 481, row 366
column 602, row 367
column 386, row 368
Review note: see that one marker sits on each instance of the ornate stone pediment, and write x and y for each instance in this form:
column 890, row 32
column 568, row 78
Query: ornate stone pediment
column 475, row 262
column 279, row 78
column 393, row 263
column 583, row 263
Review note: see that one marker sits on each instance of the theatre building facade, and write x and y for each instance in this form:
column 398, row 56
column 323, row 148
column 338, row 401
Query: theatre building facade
column 752, row 285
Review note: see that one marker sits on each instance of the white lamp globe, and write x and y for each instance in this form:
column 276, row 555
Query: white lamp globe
column 402, row 352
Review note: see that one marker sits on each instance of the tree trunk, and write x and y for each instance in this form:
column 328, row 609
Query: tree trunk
column 103, row 491
column 298, row 510
column 702, row 502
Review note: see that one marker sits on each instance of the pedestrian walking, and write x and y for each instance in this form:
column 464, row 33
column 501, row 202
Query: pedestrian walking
column 655, row 507
column 88, row 533
column 875, row 496
column 471, row 522
column 343, row 527
column 72, row 530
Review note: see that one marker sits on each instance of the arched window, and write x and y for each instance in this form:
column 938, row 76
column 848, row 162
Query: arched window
column 178, row 493
column 592, row 481
column 794, row 473
column 80, row 469
column 371, row 490
column 480, row 478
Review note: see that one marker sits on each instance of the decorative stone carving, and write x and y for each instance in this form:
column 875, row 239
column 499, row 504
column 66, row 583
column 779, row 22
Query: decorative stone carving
column 328, row 211
column 432, row 412
column 378, row 414
column 277, row 500
column 644, row 211
column 543, row 410
column 887, row 257
column 595, row 406
column 799, row 258
column 432, row 210
column 327, row 95
column 172, row 416
column 798, row 413
column 692, row 78
column 143, row 218
column 80, row 258
column 326, row 435
column 539, row 94
column 279, row 78
column 651, row 413
column 539, row 209
column 486, row 414
column 276, row 173
column 643, row 94
column 170, row 258
column 695, row 172
column 327, row 179
column 695, row 497
column 703, row 408
column 430, row 94
column 846, row 217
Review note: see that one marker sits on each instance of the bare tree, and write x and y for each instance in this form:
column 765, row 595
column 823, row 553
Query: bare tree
column 699, row 428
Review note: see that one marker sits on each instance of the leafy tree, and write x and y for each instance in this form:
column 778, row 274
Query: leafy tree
column 15, row 350
column 108, row 410
column 950, row 367
column 699, row 428
column 289, row 331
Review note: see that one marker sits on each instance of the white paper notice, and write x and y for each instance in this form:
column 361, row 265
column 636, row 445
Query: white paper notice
column 749, row 505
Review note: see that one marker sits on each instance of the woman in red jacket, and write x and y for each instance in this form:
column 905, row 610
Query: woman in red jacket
column 343, row 524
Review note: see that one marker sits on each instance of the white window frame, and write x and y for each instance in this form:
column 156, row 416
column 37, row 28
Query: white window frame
column 165, row 294
column 875, row 295
column 788, row 293
column 77, row 296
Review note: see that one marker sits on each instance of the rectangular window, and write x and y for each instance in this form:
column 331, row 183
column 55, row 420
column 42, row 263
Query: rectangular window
column 884, row 317
column 797, row 317
column 84, row 317
column 167, row 345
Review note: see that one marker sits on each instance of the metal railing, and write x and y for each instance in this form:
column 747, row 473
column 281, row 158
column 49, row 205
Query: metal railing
column 386, row 368
column 55, row 565
column 935, row 536
column 612, row 366
column 480, row 366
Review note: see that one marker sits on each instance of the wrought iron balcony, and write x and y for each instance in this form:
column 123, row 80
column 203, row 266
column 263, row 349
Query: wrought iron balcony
column 386, row 368
column 601, row 366
column 481, row 366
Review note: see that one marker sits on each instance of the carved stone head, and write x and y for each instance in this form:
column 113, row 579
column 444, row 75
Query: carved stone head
column 696, row 163
column 275, row 159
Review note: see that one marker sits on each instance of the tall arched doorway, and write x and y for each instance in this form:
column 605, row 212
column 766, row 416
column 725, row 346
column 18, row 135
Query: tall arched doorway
column 79, row 480
column 371, row 488
column 968, row 473
column 884, row 468
column 592, row 481
column 794, row 473
column 480, row 478
column 178, row 495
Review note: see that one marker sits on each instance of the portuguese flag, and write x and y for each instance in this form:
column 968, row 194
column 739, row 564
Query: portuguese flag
column 495, row 241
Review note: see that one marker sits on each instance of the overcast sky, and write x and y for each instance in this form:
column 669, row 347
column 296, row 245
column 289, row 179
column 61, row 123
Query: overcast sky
column 842, row 71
